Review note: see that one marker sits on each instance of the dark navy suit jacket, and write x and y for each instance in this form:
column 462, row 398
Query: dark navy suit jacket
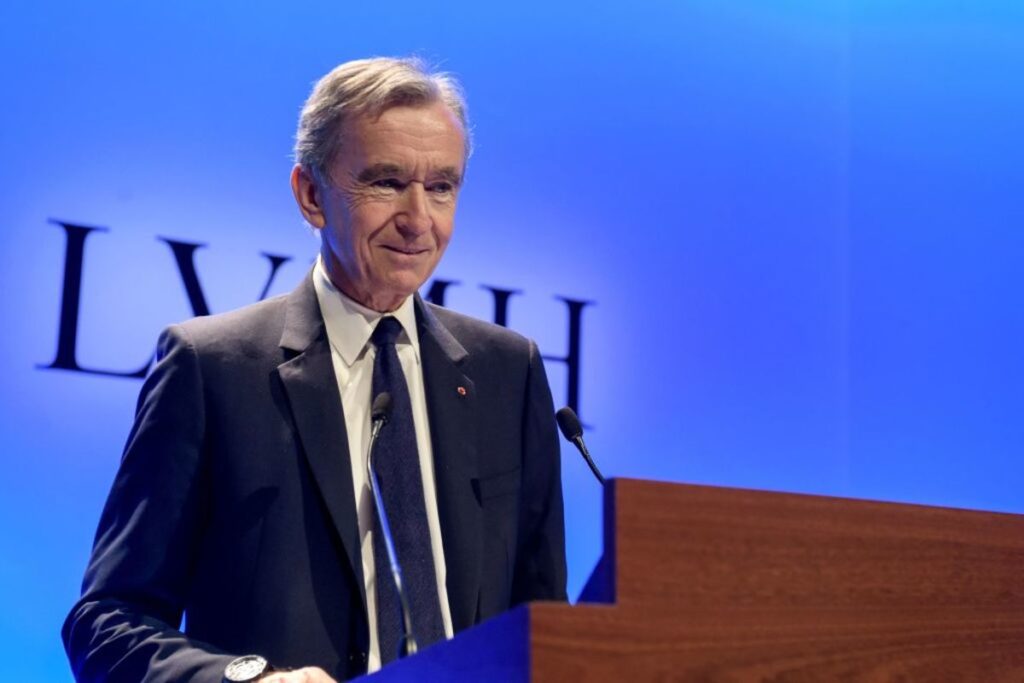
column 234, row 500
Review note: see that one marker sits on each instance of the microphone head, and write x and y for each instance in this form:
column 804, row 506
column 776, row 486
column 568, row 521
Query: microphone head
column 569, row 423
column 381, row 407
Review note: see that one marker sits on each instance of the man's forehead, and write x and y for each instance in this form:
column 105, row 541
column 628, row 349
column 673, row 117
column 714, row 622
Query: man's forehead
column 425, row 141
column 429, row 124
column 432, row 115
column 436, row 109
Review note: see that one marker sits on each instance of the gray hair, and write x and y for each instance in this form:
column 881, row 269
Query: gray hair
column 368, row 87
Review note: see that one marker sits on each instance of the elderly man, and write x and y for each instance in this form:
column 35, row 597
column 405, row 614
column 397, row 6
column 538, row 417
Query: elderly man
column 243, row 498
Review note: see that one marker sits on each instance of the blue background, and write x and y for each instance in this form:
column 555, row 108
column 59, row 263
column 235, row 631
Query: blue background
column 800, row 223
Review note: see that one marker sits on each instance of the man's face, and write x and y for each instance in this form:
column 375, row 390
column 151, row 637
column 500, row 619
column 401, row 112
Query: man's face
column 389, row 209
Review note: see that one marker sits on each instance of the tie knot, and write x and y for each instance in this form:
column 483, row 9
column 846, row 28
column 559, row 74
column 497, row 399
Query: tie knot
column 387, row 332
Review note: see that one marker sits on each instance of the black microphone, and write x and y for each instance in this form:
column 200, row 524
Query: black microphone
column 379, row 413
column 572, row 430
column 378, row 418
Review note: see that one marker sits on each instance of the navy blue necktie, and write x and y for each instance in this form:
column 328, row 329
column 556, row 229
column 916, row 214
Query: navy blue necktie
column 396, row 461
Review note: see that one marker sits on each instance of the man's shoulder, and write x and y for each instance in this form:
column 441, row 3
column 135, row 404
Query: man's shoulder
column 478, row 336
column 247, row 330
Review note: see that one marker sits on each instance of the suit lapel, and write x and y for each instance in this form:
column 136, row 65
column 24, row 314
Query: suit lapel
column 312, row 389
column 452, row 416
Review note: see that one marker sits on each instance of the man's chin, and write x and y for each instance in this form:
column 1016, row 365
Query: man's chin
column 391, row 295
column 405, row 282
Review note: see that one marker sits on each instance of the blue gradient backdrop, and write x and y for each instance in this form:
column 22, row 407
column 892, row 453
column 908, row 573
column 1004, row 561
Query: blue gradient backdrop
column 800, row 223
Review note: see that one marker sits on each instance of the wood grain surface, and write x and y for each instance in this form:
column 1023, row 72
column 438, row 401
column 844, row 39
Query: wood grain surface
column 714, row 584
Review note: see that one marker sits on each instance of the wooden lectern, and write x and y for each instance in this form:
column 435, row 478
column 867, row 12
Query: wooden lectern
column 716, row 584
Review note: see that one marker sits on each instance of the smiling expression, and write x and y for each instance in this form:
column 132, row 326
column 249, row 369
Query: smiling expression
column 388, row 211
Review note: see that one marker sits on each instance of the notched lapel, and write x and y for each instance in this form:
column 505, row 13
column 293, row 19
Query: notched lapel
column 312, row 390
column 452, row 417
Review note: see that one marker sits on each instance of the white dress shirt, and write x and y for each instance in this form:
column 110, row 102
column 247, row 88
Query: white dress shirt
column 349, row 327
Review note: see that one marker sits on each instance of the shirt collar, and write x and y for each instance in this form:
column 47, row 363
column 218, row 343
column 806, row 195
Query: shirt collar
column 350, row 324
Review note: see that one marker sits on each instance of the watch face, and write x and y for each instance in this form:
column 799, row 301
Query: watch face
column 245, row 668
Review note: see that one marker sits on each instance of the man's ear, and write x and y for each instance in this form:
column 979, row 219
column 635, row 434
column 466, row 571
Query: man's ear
column 307, row 196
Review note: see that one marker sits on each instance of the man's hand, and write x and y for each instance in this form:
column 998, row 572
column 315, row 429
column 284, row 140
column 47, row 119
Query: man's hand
column 309, row 674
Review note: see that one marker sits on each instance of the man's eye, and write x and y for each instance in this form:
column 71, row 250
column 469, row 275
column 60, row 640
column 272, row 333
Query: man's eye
column 442, row 188
column 388, row 184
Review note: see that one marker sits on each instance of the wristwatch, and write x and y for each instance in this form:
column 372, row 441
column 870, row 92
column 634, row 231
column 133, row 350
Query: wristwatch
column 246, row 669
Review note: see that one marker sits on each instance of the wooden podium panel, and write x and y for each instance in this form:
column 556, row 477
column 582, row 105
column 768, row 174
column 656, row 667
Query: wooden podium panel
column 715, row 584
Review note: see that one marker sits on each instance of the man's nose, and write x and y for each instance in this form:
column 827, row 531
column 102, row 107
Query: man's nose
column 414, row 215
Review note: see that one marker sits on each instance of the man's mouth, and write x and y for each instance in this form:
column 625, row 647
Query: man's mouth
column 408, row 251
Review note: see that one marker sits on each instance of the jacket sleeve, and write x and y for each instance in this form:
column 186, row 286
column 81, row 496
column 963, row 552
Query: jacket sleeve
column 540, row 565
column 126, row 625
